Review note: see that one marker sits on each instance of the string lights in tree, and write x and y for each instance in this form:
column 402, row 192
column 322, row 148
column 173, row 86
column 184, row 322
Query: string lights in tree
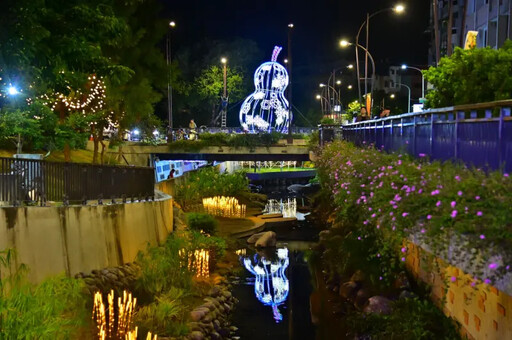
column 267, row 109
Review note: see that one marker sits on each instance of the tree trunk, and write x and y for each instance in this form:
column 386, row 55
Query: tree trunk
column 436, row 30
column 67, row 153
column 95, row 150
column 102, row 159
column 449, row 29
column 463, row 24
column 19, row 144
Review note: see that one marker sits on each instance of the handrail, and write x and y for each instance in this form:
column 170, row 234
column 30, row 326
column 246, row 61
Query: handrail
column 464, row 107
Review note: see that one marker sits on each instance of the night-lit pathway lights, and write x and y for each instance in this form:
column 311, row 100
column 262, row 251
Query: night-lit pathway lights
column 224, row 207
column 198, row 262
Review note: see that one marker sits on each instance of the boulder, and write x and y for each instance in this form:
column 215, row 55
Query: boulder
column 405, row 294
column 361, row 298
column 348, row 290
column 196, row 335
column 255, row 237
column 378, row 305
column 358, row 276
column 268, row 239
column 402, row 281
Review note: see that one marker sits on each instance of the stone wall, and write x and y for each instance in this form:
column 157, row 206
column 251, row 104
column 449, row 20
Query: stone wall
column 53, row 240
column 483, row 311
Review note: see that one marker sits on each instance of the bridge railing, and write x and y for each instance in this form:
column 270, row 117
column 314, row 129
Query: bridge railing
column 38, row 182
column 480, row 135
column 181, row 133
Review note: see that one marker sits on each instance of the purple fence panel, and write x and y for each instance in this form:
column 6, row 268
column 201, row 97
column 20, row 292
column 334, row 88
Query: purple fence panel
column 479, row 134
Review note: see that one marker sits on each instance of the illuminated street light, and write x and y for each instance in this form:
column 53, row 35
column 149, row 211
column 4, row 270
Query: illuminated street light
column 344, row 43
column 338, row 82
column 405, row 67
column 290, row 25
column 321, row 85
column 392, row 96
column 286, row 61
column 172, row 24
column 12, row 90
column 399, row 8
column 350, row 66
column 349, row 87
column 318, row 97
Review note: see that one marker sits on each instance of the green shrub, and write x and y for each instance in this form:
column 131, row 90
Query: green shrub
column 202, row 222
column 411, row 319
column 162, row 267
column 208, row 182
column 166, row 316
column 54, row 309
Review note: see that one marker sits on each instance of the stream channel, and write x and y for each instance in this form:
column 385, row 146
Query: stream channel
column 276, row 284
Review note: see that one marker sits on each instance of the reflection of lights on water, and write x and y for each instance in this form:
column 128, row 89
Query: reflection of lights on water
column 241, row 252
column 271, row 286
column 224, row 206
column 197, row 261
column 288, row 208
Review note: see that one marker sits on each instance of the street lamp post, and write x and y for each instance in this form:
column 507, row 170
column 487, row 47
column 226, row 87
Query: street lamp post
column 344, row 43
column 224, row 103
column 397, row 9
column 404, row 67
column 322, row 99
column 290, row 86
column 172, row 24
column 409, row 98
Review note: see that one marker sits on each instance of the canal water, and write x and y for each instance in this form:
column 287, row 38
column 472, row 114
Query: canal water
column 275, row 286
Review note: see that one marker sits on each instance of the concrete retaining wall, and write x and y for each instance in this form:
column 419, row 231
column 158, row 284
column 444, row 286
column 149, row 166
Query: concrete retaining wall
column 483, row 311
column 53, row 240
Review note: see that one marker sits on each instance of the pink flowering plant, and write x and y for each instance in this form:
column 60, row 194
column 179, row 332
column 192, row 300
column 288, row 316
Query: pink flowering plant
column 388, row 197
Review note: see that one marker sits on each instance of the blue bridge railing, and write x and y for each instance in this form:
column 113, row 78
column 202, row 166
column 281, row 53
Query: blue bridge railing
column 480, row 135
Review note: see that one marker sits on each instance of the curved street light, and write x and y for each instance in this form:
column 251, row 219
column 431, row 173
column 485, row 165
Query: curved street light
column 345, row 43
column 399, row 8
column 405, row 67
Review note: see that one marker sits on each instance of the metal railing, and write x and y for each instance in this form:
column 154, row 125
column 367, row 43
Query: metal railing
column 480, row 135
column 38, row 182
column 184, row 133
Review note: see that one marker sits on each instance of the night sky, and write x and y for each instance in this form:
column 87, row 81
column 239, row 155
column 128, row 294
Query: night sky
column 319, row 25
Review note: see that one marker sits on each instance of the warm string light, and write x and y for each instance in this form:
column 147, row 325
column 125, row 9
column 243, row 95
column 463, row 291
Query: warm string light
column 198, row 262
column 125, row 310
column 224, row 206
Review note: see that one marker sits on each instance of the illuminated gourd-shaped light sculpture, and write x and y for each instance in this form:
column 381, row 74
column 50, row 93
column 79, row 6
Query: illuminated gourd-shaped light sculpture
column 271, row 286
column 267, row 109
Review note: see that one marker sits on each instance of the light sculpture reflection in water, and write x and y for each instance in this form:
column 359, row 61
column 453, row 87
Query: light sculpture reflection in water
column 271, row 286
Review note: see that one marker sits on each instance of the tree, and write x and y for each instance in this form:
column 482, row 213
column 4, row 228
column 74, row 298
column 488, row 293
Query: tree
column 210, row 86
column 353, row 110
column 471, row 76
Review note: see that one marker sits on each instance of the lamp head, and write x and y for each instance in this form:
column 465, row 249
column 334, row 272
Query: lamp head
column 350, row 66
column 399, row 8
column 403, row 67
column 286, row 61
column 223, row 60
column 318, row 97
column 290, row 25
column 338, row 82
column 344, row 43
column 392, row 96
column 321, row 85
column 172, row 24
column 12, row 90
column 349, row 87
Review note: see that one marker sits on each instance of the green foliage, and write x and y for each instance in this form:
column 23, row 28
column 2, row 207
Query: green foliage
column 353, row 110
column 411, row 319
column 54, row 309
column 327, row 121
column 208, row 182
column 216, row 245
column 471, row 76
column 165, row 316
column 162, row 267
column 233, row 140
column 202, row 222
column 380, row 199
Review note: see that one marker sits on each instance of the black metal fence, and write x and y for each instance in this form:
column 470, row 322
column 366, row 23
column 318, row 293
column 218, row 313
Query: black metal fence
column 39, row 182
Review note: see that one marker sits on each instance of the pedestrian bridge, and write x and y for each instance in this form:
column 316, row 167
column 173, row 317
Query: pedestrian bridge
column 141, row 155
